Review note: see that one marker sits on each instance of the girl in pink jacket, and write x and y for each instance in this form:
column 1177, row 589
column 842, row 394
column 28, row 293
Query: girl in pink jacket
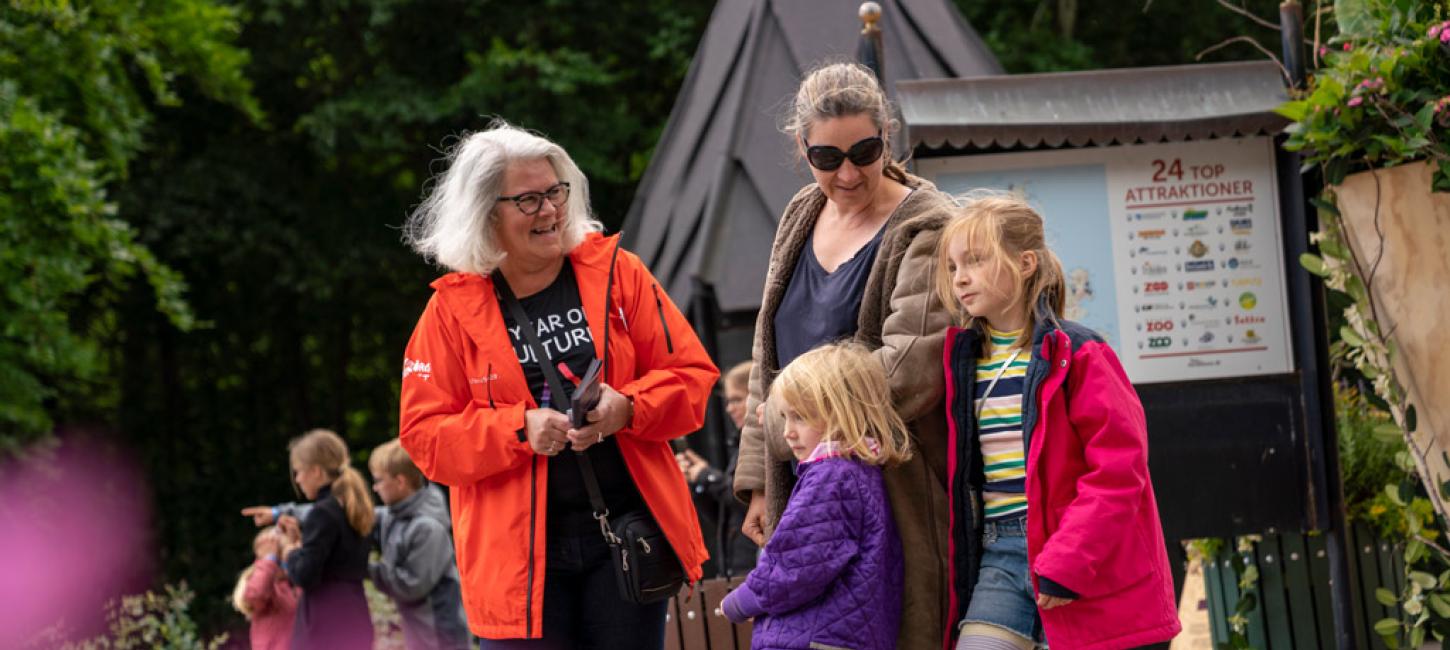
column 264, row 595
column 1055, row 535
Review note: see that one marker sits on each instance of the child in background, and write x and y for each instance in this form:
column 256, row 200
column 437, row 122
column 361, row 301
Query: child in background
column 831, row 576
column 713, row 489
column 264, row 595
column 417, row 569
column 328, row 556
column 1054, row 527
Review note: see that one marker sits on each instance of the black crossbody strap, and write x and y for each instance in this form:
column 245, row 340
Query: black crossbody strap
column 556, row 386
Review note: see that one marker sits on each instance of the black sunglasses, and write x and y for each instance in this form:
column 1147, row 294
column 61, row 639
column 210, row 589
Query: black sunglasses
column 828, row 159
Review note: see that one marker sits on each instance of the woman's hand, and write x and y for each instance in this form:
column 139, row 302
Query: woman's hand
column 754, row 526
column 612, row 414
column 546, row 430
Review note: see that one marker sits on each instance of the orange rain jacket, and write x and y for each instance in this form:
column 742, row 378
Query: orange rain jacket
column 463, row 402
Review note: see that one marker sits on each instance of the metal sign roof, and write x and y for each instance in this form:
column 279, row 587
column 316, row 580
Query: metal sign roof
column 1097, row 107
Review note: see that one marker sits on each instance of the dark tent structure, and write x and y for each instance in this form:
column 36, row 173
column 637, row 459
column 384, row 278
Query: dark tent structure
column 706, row 210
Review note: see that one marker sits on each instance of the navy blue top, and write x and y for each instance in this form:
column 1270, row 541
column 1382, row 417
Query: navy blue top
column 821, row 307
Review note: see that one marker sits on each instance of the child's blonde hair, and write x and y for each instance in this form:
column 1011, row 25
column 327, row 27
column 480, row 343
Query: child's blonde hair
column 239, row 592
column 390, row 458
column 841, row 389
column 1003, row 227
column 326, row 449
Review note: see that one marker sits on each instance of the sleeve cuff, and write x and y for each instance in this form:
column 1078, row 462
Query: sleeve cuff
column 741, row 605
column 1047, row 586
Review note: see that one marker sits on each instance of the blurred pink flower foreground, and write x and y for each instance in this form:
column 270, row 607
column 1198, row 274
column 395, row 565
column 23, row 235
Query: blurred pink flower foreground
column 75, row 528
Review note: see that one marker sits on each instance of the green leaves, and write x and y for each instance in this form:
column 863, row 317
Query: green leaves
column 1372, row 104
column 76, row 100
column 1313, row 264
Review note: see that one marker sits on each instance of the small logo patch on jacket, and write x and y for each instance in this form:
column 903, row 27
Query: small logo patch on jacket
column 423, row 369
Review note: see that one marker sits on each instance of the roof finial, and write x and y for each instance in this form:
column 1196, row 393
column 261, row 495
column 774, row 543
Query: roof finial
column 870, row 13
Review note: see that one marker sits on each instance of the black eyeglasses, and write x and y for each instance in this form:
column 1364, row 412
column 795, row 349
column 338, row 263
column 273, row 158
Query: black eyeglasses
column 829, row 159
column 530, row 203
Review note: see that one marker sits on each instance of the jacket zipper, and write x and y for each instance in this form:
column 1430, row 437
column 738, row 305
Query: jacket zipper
column 660, row 305
column 533, row 512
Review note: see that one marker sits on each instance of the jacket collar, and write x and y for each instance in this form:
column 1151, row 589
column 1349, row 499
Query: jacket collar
column 1047, row 323
column 594, row 252
column 408, row 506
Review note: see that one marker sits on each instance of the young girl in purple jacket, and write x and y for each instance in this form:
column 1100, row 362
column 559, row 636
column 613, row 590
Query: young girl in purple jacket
column 1054, row 528
column 831, row 575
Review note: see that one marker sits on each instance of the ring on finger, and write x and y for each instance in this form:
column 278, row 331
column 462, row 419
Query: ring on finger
column 600, row 438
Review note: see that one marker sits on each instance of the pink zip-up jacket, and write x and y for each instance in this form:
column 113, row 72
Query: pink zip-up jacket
column 273, row 601
column 1092, row 520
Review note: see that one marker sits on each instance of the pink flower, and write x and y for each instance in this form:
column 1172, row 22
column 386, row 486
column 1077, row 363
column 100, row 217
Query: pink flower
column 1445, row 36
column 1323, row 51
column 1435, row 31
column 1356, row 100
column 1348, row 47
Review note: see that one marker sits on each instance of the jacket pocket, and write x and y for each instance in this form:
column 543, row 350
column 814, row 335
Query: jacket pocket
column 660, row 307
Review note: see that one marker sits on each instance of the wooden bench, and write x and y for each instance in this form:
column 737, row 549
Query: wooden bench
column 695, row 622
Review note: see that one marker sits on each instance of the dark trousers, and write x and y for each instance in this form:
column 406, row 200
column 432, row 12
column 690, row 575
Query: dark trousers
column 582, row 606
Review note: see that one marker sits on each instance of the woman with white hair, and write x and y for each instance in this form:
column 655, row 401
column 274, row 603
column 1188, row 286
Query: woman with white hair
column 510, row 217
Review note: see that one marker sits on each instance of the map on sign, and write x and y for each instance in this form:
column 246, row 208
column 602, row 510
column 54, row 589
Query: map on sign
column 1171, row 250
column 1074, row 202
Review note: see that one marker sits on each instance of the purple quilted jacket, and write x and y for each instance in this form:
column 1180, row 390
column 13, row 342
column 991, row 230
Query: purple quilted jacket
column 830, row 576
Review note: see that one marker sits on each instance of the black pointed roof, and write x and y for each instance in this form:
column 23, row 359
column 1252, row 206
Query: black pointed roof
column 722, row 172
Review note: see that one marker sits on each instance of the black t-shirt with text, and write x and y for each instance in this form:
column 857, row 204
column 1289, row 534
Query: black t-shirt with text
column 563, row 330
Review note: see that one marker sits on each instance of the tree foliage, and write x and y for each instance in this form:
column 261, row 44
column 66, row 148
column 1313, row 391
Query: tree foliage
column 1058, row 35
column 77, row 87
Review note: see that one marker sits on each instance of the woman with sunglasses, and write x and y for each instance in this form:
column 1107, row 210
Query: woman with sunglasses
column 510, row 217
column 853, row 258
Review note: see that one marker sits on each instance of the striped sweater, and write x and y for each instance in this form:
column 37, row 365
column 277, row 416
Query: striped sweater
column 1000, row 425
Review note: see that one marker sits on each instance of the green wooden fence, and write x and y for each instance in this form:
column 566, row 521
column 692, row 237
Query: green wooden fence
column 1293, row 609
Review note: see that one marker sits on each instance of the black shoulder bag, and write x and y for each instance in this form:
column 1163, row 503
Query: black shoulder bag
column 646, row 568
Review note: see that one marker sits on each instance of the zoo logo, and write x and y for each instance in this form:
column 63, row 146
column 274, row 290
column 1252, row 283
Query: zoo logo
column 1248, row 300
column 1198, row 248
column 1159, row 342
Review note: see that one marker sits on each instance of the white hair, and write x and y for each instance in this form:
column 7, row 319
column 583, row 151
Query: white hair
column 454, row 226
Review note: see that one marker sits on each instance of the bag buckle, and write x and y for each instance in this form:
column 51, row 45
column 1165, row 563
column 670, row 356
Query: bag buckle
column 604, row 530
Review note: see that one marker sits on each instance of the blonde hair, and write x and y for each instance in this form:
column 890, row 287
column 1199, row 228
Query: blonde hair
column 739, row 375
column 843, row 90
column 1003, row 227
column 326, row 449
column 239, row 592
column 390, row 458
column 841, row 389
column 454, row 226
